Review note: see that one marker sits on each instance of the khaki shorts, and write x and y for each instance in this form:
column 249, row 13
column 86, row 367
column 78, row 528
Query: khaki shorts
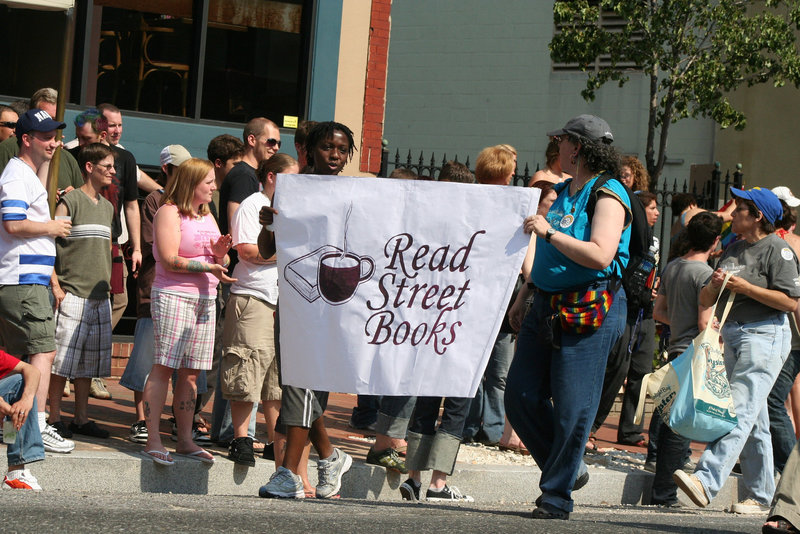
column 26, row 319
column 249, row 367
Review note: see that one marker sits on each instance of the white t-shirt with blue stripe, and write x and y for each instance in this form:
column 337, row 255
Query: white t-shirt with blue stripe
column 24, row 260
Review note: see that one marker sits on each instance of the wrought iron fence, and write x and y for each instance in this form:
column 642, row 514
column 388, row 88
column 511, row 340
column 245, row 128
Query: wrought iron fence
column 430, row 171
column 710, row 194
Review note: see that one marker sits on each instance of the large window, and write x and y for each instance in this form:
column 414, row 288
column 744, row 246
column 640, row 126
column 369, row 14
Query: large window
column 227, row 60
column 254, row 61
column 31, row 42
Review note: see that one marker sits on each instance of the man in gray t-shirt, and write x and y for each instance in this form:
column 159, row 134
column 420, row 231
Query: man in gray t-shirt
column 681, row 283
column 678, row 305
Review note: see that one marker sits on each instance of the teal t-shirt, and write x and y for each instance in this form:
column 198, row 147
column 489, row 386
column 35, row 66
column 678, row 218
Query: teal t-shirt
column 552, row 270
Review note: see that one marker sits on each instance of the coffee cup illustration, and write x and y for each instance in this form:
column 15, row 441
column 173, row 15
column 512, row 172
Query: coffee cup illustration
column 339, row 274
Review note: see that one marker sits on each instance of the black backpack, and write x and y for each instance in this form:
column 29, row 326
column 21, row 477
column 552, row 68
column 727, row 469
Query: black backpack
column 637, row 276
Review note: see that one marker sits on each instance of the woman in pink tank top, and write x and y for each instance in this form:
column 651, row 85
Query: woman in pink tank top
column 191, row 257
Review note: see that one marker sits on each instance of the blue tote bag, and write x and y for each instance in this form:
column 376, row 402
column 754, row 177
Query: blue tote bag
column 692, row 393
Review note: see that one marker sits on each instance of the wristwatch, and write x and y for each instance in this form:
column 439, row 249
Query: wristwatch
column 550, row 233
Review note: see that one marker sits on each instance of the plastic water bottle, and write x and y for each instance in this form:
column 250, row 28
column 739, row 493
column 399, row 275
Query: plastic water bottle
column 9, row 432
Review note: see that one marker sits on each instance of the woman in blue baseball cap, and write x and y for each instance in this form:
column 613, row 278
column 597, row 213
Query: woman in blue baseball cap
column 757, row 340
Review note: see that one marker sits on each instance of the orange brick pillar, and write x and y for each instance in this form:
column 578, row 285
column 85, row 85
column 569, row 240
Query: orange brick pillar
column 375, row 90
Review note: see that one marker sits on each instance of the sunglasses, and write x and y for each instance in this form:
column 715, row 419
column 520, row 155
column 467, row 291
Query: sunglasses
column 271, row 142
column 8, row 124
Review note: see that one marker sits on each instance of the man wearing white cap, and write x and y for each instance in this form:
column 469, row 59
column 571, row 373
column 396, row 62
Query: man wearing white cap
column 780, row 425
column 141, row 359
column 785, row 194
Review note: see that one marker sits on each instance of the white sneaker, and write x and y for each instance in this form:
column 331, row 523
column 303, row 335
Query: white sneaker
column 692, row 487
column 329, row 473
column 750, row 506
column 21, row 479
column 53, row 442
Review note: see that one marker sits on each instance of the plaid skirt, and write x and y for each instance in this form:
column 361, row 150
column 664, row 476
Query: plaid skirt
column 183, row 330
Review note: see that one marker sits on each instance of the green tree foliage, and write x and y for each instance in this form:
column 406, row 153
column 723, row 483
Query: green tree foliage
column 695, row 52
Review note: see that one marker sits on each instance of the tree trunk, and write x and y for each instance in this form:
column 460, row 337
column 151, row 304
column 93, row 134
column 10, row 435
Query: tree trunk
column 666, row 120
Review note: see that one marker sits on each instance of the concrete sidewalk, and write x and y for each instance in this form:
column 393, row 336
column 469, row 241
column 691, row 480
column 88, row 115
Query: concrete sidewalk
column 115, row 465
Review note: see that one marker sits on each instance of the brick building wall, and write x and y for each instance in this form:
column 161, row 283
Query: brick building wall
column 375, row 90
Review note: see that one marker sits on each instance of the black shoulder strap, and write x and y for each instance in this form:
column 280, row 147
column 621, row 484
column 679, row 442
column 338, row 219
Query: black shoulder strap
column 600, row 182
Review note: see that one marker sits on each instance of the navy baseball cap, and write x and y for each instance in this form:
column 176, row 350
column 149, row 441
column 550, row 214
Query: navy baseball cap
column 765, row 200
column 37, row 120
column 589, row 126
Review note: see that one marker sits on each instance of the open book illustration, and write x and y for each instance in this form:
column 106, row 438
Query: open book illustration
column 302, row 272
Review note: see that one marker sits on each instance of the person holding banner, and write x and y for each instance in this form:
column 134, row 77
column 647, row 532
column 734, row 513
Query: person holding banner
column 757, row 340
column 556, row 377
column 191, row 257
column 329, row 146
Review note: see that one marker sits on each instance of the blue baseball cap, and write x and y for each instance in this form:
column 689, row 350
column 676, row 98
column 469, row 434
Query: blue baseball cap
column 37, row 120
column 765, row 200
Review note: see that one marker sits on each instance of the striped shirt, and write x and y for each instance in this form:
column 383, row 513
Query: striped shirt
column 83, row 259
column 24, row 260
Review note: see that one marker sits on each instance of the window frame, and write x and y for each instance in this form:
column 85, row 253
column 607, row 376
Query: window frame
column 85, row 61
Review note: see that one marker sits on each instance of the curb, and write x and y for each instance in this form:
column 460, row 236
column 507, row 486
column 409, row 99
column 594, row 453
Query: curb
column 127, row 473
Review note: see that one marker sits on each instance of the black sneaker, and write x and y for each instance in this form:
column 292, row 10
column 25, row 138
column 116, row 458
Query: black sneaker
column 62, row 429
column 139, row 432
column 409, row 490
column 198, row 436
column 447, row 494
column 90, row 429
column 241, row 451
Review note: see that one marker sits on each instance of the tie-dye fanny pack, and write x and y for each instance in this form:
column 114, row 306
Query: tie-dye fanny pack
column 581, row 312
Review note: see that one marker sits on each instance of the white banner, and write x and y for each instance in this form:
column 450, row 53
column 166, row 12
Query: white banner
column 394, row 287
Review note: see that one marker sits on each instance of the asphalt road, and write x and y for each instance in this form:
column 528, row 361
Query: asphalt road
column 65, row 512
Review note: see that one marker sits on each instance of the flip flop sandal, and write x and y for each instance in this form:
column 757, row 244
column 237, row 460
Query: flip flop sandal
column 784, row 527
column 159, row 457
column 591, row 444
column 200, row 455
column 516, row 450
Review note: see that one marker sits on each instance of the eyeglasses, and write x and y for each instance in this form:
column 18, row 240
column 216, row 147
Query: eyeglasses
column 106, row 166
column 271, row 142
column 8, row 124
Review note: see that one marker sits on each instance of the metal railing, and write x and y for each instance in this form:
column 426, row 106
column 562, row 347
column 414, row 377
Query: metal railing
column 711, row 194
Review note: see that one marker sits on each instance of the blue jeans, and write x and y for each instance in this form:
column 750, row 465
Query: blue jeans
column 432, row 448
column 141, row 360
column 555, row 431
column 754, row 355
column 394, row 415
column 486, row 410
column 365, row 412
column 28, row 447
column 780, row 426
